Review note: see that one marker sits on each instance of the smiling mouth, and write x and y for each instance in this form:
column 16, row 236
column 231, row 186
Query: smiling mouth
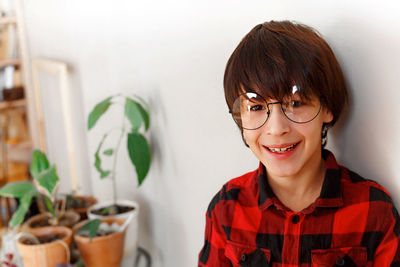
column 281, row 149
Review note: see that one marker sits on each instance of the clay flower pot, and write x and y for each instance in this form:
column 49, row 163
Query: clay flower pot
column 68, row 219
column 102, row 251
column 131, row 240
column 47, row 254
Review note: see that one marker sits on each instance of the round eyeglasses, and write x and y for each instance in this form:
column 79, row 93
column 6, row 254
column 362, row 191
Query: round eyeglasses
column 250, row 110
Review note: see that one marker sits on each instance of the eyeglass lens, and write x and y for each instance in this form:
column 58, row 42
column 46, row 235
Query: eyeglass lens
column 250, row 110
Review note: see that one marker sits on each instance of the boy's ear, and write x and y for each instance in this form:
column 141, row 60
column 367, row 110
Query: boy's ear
column 328, row 116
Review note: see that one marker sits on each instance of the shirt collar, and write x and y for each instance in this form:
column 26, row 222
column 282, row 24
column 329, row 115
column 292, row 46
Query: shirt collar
column 330, row 196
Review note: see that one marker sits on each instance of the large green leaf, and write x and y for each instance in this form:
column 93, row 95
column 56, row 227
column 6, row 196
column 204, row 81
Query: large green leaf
column 145, row 116
column 48, row 179
column 144, row 110
column 143, row 102
column 91, row 226
column 24, row 204
column 139, row 153
column 39, row 163
column 98, row 111
column 16, row 190
column 137, row 114
column 97, row 158
column 132, row 112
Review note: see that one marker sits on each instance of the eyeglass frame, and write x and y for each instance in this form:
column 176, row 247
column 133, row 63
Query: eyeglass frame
column 269, row 111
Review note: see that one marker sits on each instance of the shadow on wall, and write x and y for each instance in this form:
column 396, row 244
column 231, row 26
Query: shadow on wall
column 159, row 135
column 367, row 134
column 157, row 219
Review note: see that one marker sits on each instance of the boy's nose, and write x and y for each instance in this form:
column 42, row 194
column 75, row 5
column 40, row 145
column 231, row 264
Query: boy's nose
column 277, row 123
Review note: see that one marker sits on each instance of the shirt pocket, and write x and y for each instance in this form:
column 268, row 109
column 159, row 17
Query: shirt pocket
column 333, row 257
column 245, row 255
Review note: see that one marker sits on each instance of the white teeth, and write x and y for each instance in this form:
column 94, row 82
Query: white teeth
column 281, row 150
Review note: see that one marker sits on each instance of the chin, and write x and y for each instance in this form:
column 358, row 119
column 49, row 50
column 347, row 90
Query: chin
column 282, row 172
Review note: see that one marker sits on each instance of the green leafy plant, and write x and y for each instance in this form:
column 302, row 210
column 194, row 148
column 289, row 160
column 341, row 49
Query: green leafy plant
column 135, row 120
column 45, row 183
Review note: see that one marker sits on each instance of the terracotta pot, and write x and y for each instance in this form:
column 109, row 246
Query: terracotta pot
column 102, row 251
column 73, row 218
column 83, row 211
column 47, row 254
column 131, row 240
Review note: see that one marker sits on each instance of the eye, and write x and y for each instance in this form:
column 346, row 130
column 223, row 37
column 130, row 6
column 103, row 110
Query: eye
column 256, row 108
column 295, row 104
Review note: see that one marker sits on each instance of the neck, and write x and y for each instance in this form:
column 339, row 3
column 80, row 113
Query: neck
column 300, row 190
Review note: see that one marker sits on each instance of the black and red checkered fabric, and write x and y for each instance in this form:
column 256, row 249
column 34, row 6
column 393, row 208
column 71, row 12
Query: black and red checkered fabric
column 352, row 223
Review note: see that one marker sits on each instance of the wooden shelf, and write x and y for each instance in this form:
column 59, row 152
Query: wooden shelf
column 8, row 62
column 12, row 104
column 16, row 147
column 20, row 152
column 8, row 20
column 17, row 172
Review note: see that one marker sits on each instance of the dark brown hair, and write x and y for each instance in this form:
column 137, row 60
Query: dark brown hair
column 276, row 55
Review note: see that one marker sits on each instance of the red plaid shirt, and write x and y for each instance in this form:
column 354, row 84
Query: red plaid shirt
column 352, row 223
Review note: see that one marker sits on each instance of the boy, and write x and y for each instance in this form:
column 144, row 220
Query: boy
column 284, row 89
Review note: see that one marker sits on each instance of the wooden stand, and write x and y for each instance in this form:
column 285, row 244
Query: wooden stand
column 19, row 127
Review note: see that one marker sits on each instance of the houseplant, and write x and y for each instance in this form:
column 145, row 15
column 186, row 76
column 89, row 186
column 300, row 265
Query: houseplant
column 56, row 212
column 135, row 122
column 78, row 203
column 47, row 247
column 44, row 246
column 100, row 242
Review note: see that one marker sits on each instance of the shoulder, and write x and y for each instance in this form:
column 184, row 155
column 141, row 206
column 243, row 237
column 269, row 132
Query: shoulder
column 366, row 196
column 353, row 181
column 242, row 181
column 231, row 192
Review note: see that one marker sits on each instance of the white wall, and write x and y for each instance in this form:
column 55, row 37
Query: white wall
column 173, row 53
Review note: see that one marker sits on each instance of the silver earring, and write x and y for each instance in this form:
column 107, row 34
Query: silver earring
column 324, row 135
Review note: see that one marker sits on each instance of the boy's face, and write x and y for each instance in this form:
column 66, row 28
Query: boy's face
column 280, row 132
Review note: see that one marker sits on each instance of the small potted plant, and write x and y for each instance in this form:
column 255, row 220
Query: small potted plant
column 100, row 242
column 62, row 217
column 45, row 246
column 135, row 122
column 56, row 210
column 78, row 203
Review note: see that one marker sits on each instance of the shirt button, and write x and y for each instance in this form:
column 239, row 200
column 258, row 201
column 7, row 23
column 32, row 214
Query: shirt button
column 340, row 262
column 243, row 258
column 295, row 219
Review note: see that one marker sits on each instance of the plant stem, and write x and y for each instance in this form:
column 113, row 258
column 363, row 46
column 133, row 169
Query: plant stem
column 115, row 159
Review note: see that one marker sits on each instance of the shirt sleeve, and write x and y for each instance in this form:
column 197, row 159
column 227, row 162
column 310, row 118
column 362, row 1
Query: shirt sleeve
column 388, row 251
column 213, row 252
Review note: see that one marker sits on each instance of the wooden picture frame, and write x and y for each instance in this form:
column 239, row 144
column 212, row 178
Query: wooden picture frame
column 60, row 71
